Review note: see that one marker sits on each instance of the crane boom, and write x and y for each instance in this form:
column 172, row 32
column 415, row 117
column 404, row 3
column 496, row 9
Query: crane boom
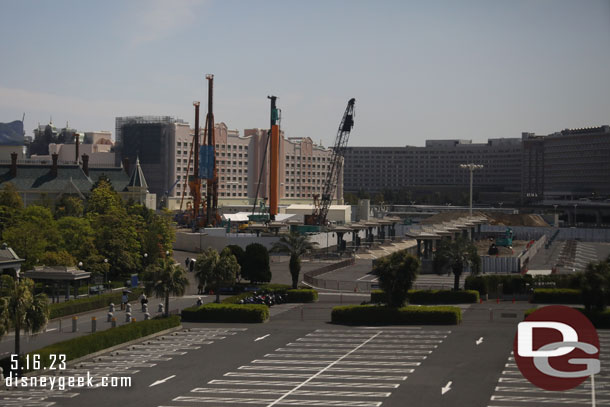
column 336, row 161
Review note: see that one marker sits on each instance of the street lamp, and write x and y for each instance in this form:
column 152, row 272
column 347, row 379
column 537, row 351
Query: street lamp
column 471, row 167
column 106, row 271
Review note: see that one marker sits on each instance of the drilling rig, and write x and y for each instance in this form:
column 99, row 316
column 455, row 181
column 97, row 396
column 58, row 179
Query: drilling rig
column 203, row 213
column 321, row 207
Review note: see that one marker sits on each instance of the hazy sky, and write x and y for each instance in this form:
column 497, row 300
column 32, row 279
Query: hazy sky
column 418, row 69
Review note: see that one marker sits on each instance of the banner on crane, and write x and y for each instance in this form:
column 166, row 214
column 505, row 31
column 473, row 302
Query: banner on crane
column 206, row 162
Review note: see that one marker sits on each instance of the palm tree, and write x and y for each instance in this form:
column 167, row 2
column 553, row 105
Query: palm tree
column 216, row 271
column 22, row 309
column 296, row 245
column 396, row 273
column 164, row 279
column 456, row 254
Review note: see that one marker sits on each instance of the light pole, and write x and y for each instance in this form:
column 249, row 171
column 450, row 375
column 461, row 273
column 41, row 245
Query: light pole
column 106, row 271
column 471, row 167
column 555, row 220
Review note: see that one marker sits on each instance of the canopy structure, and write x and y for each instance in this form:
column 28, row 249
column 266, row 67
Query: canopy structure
column 55, row 276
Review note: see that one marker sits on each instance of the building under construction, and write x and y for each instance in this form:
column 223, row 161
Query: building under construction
column 156, row 141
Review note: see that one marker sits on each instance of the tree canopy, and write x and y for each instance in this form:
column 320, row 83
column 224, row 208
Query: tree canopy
column 396, row 273
column 456, row 255
column 256, row 264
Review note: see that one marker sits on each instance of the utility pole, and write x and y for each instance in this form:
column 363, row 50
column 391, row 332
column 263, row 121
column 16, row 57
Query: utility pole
column 471, row 167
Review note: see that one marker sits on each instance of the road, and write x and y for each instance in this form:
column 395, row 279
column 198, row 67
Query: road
column 299, row 359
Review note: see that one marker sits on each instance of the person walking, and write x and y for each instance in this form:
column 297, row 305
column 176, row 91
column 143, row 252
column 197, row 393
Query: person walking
column 124, row 300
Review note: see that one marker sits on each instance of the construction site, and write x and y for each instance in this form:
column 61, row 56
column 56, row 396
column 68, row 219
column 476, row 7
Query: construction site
column 506, row 240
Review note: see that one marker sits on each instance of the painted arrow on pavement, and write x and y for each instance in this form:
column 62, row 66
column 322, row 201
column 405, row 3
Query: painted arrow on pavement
column 446, row 388
column 479, row 341
column 162, row 380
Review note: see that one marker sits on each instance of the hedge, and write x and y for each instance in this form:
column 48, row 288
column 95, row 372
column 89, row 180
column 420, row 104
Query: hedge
column 226, row 313
column 410, row 315
column 443, row 297
column 302, row 295
column 519, row 284
column 79, row 305
column 433, row 297
column 599, row 319
column 556, row 296
column 84, row 345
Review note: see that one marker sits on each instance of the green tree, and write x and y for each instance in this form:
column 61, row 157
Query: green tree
column 59, row 258
column 163, row 279
column 216, row 271
column 396, row 273
column 362, row 194
column 10, row 197
column 377, row 199
column 33, row 232
column 256, row 264
column 77, row 237
column 295, row 245
column 116, row 239
column 240, row 255
column 595, row 286
column 350, row 199
column 25, row 311
column 456, row 255
column 69, row 205
column 103, row 198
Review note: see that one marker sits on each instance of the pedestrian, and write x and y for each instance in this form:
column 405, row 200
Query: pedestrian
column 187, row 261
column 124, row 300
column 199, row 301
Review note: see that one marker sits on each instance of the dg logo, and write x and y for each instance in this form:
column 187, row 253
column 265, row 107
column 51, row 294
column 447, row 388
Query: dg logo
column 557, row 348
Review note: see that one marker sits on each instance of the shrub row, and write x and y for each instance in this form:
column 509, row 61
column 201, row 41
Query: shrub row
column 302, row 295
column 410, row 315
column 84, row 345
column 79, row 305
column 519, row 284
column 226, row 313
column 433, row 297
column 556, row 296
column 443, row 297
column 599, row 319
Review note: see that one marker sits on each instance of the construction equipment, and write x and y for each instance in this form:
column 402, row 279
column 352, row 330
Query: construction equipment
column 320, row 212
column 201, row 213
column 212, row 218
column 506, row 240
column 274, row 172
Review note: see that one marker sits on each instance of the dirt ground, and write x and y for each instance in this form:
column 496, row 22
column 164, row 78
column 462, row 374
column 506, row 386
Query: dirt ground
column 495, row 218
column 518, row 246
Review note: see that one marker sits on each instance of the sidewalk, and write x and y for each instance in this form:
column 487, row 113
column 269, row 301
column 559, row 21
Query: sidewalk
column 60, row 329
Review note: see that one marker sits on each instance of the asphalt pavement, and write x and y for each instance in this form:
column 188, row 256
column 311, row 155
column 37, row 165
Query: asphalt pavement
column 298, row 358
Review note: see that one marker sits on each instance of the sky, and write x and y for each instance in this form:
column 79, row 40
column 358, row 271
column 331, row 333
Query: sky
column 418, row 69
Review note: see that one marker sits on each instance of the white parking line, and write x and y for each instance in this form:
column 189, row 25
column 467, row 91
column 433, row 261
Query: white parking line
column 321, row 375
column 328, row 393
column 283, row 383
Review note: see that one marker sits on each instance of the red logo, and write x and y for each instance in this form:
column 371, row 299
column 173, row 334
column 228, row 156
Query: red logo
column 556, row 348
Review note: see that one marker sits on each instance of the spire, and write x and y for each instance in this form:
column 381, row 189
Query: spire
column 137, row 177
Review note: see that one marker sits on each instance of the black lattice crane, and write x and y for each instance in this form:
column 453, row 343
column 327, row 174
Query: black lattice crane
column 332, row 176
